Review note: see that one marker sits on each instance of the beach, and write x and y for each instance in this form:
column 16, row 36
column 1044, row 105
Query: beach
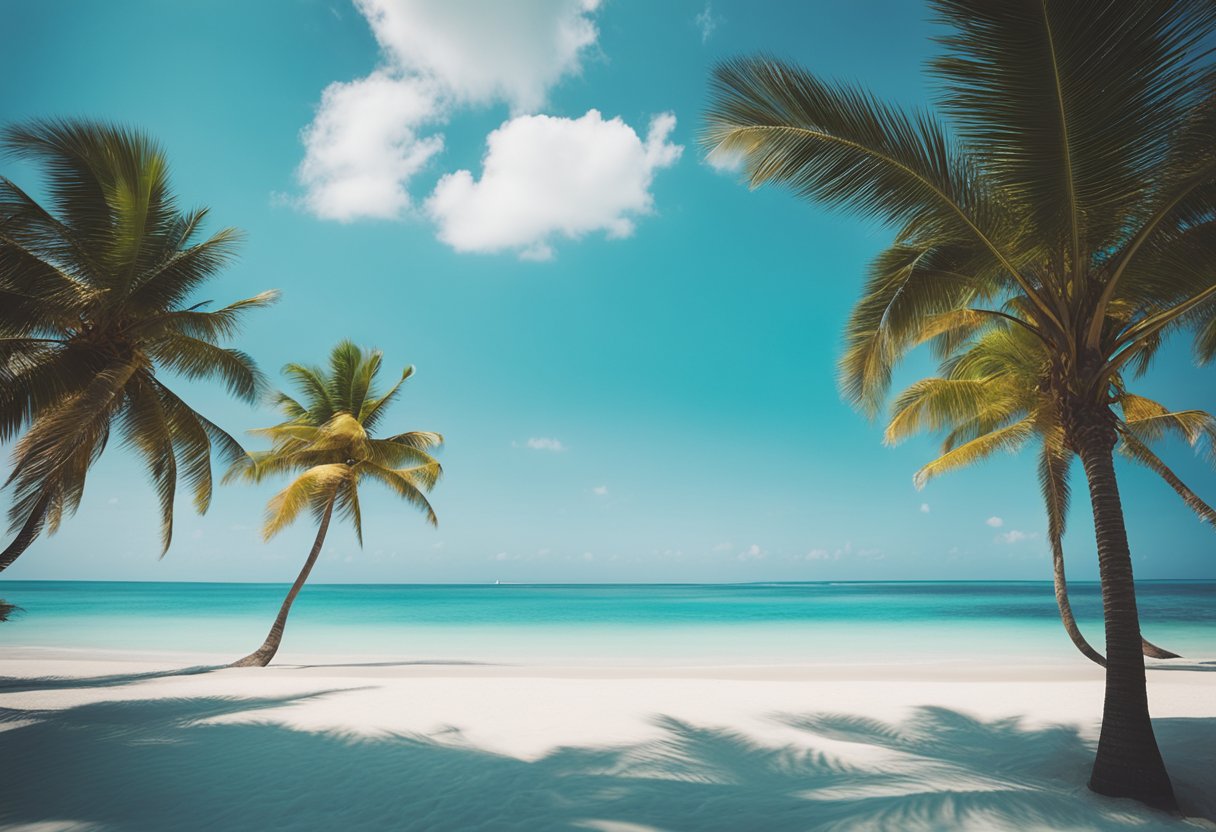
column 934, row 736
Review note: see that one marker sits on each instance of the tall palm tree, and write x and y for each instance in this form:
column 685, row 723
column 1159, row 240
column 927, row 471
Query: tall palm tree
column 990, row 397
column 95, row 310
column 327, row 440
column 1079, row 179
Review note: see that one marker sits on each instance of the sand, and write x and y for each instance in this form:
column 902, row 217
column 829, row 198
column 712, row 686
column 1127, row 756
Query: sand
column 92, row 741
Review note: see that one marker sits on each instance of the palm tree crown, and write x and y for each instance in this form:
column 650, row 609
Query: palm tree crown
column 95, row 309
column 326, row 440
column 990, row 398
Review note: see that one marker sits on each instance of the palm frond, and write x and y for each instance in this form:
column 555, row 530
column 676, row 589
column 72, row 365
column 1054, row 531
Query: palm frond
column 1009, row 438
column 1132, row 448
column 315, row 486
column 373, row 408
column 194, row 358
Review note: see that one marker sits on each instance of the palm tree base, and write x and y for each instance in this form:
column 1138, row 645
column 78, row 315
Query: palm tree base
column 259, row 658
column 1142, row 786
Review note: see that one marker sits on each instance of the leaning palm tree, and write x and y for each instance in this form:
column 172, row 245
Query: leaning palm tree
column 1080, row 179
column 996, row 384
column 95, row 311
column 327, row 440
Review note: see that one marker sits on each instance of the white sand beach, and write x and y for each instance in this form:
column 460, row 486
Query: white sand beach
column 96, row 741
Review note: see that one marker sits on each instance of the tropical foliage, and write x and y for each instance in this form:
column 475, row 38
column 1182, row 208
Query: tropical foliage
column 1073, row 195
column 96, row 315
column 326, row 442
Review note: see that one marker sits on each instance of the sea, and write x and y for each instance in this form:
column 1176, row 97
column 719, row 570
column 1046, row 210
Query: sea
column 665, row 624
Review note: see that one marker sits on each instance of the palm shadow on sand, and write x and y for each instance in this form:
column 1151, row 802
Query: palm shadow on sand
column 167, row 764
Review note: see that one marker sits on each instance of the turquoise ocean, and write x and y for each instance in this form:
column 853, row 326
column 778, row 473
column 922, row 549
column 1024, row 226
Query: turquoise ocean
column 676, row 624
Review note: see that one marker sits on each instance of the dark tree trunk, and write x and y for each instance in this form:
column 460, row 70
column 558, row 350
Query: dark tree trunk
column 262, row 656
column 1128, row 763
column 28, row 534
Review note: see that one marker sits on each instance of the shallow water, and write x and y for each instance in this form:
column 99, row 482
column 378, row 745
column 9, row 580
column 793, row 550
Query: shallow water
column 786, row 623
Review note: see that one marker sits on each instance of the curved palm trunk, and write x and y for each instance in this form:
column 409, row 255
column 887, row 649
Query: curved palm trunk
column 1128, row 762
column 1154, row 652
column 262, row 656
column 1070, row 623
column 28, row 534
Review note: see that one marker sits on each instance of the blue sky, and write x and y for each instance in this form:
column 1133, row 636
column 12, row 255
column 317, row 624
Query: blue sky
column 631, row 354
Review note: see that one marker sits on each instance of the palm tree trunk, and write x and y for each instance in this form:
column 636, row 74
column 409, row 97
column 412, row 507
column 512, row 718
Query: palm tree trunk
column 29, row 532
column 262, row 656
column 1128, row 762
column 1070, row 623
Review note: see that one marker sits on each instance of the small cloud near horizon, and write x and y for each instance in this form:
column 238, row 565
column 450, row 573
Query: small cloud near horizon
column 995, row 522
column 542, row 443
column 600, row 490
column 753, row 552
column 924, row 508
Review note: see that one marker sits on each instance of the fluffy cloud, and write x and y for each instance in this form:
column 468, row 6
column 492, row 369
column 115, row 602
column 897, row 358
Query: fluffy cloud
column 371, row 135
column 924, row 508
column 480, row 51
column 600, row 490
column 545, row 177
column 1015, row 536
column 362, row 147
column 995, row 522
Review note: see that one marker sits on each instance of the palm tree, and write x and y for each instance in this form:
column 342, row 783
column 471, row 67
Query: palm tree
column 997, row 383
column 327, row 440
column 94, row 310
column 1078, row 186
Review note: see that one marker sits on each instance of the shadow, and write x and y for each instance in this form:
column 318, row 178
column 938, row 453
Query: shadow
column 24, row 684
column 1190, row 665
column 418, row 663
column 177, row 764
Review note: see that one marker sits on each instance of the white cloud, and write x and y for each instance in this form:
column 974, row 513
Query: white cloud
column 995, row 522
column 753, row 552
column 481, row 51
column 924, row 508
column 707, row 22
column 600, row 490
column 1015, row 536
column 371, row 135
column 545, row 177
column 545, row 443
column 821, row 554
column 363, row 147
